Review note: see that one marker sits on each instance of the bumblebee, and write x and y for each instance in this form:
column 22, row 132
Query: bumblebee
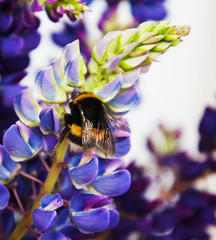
column 87, row 126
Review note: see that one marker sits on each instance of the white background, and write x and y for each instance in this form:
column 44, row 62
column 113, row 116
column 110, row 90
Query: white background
column 176, row 89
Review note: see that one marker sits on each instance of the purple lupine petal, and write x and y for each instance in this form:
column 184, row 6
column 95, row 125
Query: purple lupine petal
column 112, row 63
column 110, row 89
column 49, row 121
column 6, row 20
column 28, row 142
column 107, row 167
column 32, row 40
column 48, row 88
column 8, row 167
column 129, row 78
column 73, row 72
column 122, row 146
column 11, row 47
column 85, row 174
column 83, row 202
column 101, row 48
column 114, row 184
column 103, row 202
column 12, row 78
column 44, row 220
column 75, row 160
column 51, row 202
column 9, row 92
column 5, row 196
column 58, row 71
column 36, row 6
column 96, row 220
column 114, row 218
column 53, row 235
column 70, row 51
column 26, row 108
column 124, row 101
column 15, row 64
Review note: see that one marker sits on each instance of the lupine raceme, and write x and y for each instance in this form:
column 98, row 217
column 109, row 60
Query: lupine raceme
column 70, row 191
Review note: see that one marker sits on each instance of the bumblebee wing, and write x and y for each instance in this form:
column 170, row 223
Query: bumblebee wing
column 117, row 123
column 104, row 138
column 88, row 135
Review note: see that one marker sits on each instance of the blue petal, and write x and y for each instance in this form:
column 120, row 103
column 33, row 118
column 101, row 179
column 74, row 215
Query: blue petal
column 82, row 201
column 6, row 161
column 43, row 220
column 74, row 161
column 49, row 121
column 110, row 89
column 130, row 77
column 92, row 220
column 5, row 196
column 106, row 167
column 48, row 88
column 11, row 46
column 114, row 218
column 18, row 148
column 9, row 91
column 26, row 108
column 51, row 202
column 122, row 146
column 32, row 39
column 70, row 51
column 124, row 101
column 84, row 175
column 113, row 185
column 6, row 20
column 28, row 142
column 53, row 235
column 73, row 72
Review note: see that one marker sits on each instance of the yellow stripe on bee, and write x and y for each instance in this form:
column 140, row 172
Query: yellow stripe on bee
column 85, row 95
column 76, row 130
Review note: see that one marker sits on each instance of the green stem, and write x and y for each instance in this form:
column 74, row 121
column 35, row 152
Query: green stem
column 46, row 189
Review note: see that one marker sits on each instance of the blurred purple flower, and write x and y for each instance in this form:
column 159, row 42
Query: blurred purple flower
column 18, row 36
column 207, row 131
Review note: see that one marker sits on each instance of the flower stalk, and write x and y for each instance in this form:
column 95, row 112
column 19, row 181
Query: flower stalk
column 47, row 188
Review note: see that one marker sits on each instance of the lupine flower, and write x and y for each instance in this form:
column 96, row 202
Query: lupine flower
column 28, row 142
column 207, row 130
column 18, row 37
column 111, row 78
column 55, row 8
column 109, row 21
column 88, row 214
column 45, row 217
column 111, row 181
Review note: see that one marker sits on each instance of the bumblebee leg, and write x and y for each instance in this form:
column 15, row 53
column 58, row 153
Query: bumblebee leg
column 68, row 119
column 61, row 138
